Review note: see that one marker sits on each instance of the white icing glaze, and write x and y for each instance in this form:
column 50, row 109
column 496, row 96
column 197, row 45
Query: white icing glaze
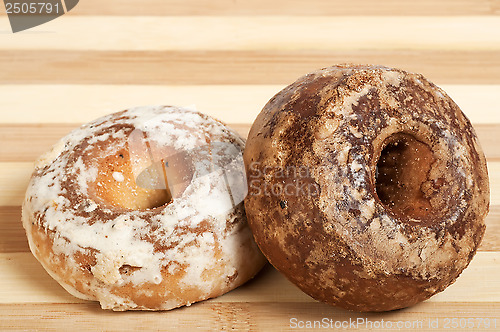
column 118, row 241
column 118, row 176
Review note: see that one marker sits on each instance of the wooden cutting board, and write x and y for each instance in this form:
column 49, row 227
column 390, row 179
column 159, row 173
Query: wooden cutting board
column 228, row 58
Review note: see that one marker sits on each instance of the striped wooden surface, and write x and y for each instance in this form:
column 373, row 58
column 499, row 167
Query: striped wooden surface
column 228, row 58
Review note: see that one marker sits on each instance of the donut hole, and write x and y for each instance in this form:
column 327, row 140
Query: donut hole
column 116, row 185
column 402, row 172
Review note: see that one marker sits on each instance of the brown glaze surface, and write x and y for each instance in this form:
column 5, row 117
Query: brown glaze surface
column 367, row 187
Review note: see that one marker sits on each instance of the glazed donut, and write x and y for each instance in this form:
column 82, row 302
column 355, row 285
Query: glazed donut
column 143, row 210
column 368, row 188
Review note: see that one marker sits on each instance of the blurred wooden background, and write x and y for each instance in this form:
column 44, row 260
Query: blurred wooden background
column 228, row 58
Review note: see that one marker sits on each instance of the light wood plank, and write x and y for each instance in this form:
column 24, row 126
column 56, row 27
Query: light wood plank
column 197, row 33
column 478, row 283
column 35, row 285
column 14, row 178
column 478, row 102
column 286, row 7
column 228, row 57
column 83, row 103
column 494, row 175
column 216, row 316
column 491, row 239
column 66, row 103
column 488, row 135
column 233, row 67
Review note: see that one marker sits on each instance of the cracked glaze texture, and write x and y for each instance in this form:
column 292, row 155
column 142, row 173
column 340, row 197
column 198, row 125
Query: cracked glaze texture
column 367, row 185
column 85, row 225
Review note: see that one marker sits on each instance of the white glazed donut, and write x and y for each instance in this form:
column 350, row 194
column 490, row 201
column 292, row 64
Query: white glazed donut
column 142, row 209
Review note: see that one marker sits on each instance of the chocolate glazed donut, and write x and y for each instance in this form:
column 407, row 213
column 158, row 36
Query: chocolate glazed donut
column 367, row 187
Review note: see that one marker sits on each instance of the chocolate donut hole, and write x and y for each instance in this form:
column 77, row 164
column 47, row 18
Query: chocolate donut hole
column 402, row 170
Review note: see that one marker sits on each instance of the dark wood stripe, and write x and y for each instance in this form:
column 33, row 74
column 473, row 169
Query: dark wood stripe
column 491, row 239
column 12, row 235
column 13, row 238
column 26, row 142
column 232, row 67
column 489, row 138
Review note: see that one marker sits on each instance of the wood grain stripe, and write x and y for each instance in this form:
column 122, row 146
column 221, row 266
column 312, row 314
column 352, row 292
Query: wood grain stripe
column 14, row 138
column 82, row 103
column 254, row 33
column 14, row 178
column 13, row 238
column 286, row 7
column 233, row 67
column 12, row 235
column 228, row 57
column 216, row 316
column 25, row 281
column 46, row 104
column 42, row 137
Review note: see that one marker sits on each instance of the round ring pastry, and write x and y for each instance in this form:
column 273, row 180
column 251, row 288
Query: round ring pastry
column 367, row 187
column 143, row 209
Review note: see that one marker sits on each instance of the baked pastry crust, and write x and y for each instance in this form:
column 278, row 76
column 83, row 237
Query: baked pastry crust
column 368, row 188
column 104, row 237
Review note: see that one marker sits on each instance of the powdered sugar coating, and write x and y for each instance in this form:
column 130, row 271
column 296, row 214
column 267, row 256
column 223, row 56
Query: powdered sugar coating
column 197, row 247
